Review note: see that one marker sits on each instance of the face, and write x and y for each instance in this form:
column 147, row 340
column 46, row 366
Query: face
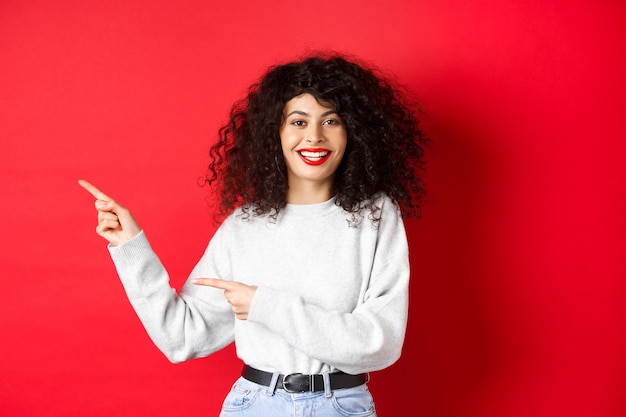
column 313, row 139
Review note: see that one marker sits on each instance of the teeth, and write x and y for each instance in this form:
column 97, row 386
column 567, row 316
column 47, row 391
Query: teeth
column 313, row 155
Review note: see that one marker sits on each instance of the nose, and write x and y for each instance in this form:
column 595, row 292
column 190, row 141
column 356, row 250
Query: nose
column 314, row 134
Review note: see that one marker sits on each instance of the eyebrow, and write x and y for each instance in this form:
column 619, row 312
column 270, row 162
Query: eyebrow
column 303, row 113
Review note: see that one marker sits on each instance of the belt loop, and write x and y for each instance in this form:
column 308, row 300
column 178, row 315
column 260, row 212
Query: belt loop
column 327, row 391
column 272, row 386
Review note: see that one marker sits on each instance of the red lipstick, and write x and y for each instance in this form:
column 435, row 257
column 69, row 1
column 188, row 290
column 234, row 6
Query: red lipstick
column 314, row 156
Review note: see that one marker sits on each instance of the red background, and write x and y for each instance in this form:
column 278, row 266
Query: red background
column 517, row 294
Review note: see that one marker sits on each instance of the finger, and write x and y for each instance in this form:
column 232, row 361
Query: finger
column 103, row 202
column 105, row 205
column 107, row 225
column 214, row 282
column 94, row 191
column 107, row 215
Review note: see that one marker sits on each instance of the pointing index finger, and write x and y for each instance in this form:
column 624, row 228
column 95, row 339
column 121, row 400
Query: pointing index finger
column 93, row 190
column 213, row 282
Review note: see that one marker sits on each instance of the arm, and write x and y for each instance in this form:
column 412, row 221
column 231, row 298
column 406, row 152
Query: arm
column 181, row 327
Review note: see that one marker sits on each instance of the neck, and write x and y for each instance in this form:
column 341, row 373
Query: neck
column 309, row 193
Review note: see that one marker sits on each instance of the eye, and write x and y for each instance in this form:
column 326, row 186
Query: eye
column 299, row 123
column 332, row 122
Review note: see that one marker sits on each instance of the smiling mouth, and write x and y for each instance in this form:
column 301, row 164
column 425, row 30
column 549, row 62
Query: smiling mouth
column 314, row 157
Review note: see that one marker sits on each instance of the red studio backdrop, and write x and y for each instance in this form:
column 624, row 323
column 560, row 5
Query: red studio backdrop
column 518, row 262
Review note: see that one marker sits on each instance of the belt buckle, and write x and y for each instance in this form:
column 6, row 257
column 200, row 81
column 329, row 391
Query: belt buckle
column 285, row 382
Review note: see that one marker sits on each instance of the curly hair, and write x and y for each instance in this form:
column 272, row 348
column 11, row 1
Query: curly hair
column 384, row 152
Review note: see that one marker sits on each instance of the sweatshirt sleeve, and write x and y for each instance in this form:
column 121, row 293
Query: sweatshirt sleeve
column 193, row 324
column 371, row 336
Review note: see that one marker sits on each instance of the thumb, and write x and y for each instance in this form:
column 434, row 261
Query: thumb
column 127, row 221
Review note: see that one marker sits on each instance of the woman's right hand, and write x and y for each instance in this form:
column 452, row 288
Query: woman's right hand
column 115, row 223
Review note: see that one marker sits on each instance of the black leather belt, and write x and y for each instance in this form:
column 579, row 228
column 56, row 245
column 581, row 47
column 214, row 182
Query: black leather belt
column 303, row 383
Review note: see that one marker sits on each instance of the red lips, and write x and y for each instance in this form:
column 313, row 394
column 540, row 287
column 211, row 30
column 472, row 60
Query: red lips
column 314, row 156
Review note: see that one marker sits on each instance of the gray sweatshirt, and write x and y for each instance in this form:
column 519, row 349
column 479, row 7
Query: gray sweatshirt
column 332, row 294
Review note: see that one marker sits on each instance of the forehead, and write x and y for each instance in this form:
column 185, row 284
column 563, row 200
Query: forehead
column 308, row 103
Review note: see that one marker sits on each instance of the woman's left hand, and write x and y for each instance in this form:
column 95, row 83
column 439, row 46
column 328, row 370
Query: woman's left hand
column 238, row 295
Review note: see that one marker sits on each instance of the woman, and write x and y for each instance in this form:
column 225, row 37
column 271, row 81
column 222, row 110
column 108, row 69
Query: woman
column 308, row 272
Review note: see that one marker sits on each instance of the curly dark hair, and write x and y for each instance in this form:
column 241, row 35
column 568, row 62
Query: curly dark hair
column 384, row 152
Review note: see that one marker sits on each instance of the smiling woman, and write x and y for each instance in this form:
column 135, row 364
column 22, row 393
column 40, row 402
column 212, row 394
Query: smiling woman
column 383, row 151
column 316, row 147
column 313, row 139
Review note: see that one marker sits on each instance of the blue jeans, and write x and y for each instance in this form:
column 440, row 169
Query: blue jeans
column 247, row 399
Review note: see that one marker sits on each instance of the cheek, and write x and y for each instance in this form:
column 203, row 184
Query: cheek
column 288, row 141
column 283, row 140
column 284, row 145
column 343, row 144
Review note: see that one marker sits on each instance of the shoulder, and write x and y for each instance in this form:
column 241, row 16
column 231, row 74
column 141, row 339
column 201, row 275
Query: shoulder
column 245, row 219
column 381, row 205
column 385, row 201
column 374, row 210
